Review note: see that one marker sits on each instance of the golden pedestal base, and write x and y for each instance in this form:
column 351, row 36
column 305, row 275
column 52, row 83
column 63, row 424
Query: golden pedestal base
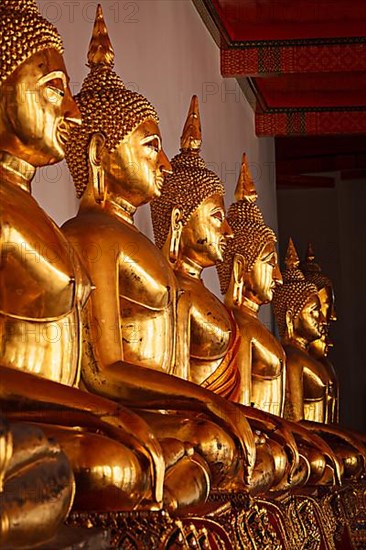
column 333, row 519
column 155, row 530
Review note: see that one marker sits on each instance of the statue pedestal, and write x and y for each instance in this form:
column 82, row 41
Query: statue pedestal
column 74, row 538
column 326, row 519
column 159, row 530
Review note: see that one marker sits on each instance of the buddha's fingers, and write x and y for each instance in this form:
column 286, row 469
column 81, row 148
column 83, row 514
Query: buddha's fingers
column 235, row 421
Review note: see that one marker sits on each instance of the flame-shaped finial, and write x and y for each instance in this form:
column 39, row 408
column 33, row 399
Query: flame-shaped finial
column 191, row 139
column 292, row 257
column 309, row 265
column 101, row 51
column 309, row 256
column 245, row 189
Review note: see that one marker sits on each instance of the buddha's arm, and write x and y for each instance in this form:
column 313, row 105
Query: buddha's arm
column 245, row 368
column 294, row 401
column 16, row 246
column 143, row 388
column 102, row 314
column 277, row 429
column 289, row 434
column 331, row 431
column 312, row 439
column 261, row 386
column 295, row 408
column 182, row 352
column 105, row 372
column 28, row 397
column 333, row 398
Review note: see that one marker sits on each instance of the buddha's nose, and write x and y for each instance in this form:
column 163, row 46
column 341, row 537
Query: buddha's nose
column 72, row 114
column 322, row 320
column 164, row 163
column 226, row 229
column 333, row 315
column 277, row 275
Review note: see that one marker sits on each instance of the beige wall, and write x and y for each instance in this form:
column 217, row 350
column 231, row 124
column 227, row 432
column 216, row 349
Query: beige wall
column 164, row 51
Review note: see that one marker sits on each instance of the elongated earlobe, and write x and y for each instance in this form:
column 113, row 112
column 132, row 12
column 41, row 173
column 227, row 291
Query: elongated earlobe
column 289, row 325
column 238, row 275
column 176, row 227
column 96, row 172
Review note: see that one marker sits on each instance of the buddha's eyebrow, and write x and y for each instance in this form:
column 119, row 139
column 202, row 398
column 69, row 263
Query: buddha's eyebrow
column 151, row 137
column 53, row 76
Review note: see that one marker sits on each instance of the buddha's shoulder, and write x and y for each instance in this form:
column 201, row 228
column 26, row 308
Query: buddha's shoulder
column 247, row 322
column 23, row 220
column 296, row 355
column 97, row 227
column 18, row 207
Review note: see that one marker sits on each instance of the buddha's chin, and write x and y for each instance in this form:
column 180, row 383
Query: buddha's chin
column 55, row 157
column 56, row 151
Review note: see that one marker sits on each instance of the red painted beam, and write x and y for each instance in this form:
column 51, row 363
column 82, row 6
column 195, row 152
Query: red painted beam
column 289, row 19
column 280, row 59
column 310, row 91
column 306, row 123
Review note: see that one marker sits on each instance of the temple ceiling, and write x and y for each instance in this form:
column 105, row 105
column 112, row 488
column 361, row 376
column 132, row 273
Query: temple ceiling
column 302, row 66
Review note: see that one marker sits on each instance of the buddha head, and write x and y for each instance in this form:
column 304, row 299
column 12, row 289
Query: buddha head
column 250, row 269
column 189, row 216
column 296, row 304
column 313, row 274
column 117, row 151
column 37, row 110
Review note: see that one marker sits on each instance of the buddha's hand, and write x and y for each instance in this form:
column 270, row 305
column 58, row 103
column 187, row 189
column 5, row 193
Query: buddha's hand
column 312, row 439
column 277, row 429
column 234, row 420
column 292, row 452
column 332, row 431
column 283, row 435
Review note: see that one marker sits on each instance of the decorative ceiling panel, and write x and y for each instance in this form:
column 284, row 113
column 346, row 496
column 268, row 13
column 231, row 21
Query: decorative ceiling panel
column 302, row 65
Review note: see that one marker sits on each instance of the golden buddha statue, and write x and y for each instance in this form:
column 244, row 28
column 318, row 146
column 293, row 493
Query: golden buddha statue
column 30, row 464
column 133, row 344
column 116, row 458
column 319, row 348
column 300, row 321
column 190, row 227
column 248, row 275
column 304, row 400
